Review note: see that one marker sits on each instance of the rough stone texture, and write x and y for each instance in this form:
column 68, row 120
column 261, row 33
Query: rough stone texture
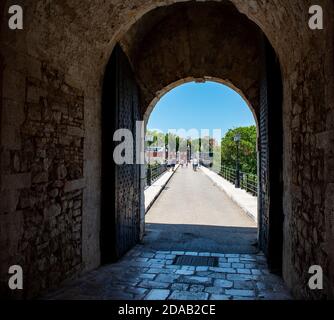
column 55, row 66
column 122, row 281
column 44, row 180
column 177, row 44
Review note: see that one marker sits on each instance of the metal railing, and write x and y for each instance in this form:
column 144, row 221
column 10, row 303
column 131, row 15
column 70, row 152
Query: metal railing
column 248, row 181
column 154, row 172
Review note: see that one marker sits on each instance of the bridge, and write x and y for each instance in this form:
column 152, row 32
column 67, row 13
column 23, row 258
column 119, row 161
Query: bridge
column 194, row 214
column 199, row 244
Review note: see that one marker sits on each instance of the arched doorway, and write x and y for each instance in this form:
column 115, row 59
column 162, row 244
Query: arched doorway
column 242, row 56
column 200, row 210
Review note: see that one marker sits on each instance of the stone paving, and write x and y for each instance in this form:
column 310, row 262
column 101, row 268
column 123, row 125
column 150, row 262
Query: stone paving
column 145, row 274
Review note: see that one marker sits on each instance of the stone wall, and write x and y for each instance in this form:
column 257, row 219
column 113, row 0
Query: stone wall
column 313, row 169
column 199, row 42
column 59, row 59
column 42, row 179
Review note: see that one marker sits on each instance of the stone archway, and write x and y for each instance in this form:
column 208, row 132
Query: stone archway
column 63, row 51
column 201, row 41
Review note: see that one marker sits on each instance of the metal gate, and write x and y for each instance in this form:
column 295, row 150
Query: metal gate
column 120, row 220
column 271, row 160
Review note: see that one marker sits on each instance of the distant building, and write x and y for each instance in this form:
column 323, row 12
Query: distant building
column 155, row 154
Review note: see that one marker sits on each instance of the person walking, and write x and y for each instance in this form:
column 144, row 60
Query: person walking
column 195, row 164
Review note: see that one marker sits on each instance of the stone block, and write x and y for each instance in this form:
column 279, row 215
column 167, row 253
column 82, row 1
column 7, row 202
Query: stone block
column 240, row 292
column 204, row 254
column 190, row 268
column 74, row 185
column 11, row 231
column 13, row 112
column 135, row 290
column 180, row 286
column 157, row 294
column 228, row 270
column 202, row 268
column 153, row 284
column 141, row 259
column 170, row 278
column 147, row 255
column 14, row 86
column 232, row 255
column 184, row 272
column 9, row 200
column 33, row 94
column 243, row 271
column 225, row 265
column 248, row 284
column 196, row 288
column 191, row 253
column 11, row 136
column 160, row 256
column 75, row 131
column 196, row 280
column 241, row 277
column 178, row 253
column 256, row 272
column 186, row 295
column 147, row 276
column 219, row 297
column 163, row 252
column 16, row 181
column 40, row 177
column 160, row 270
column 214, row 290
column 52, row 211
column 158, row 261
column 223, row 283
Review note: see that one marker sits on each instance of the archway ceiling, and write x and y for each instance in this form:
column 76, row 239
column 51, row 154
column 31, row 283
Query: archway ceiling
column 195, row 40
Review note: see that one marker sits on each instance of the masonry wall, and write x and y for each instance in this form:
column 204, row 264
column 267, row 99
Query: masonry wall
column 42, row 177
column 50, row 110
column 199, row 42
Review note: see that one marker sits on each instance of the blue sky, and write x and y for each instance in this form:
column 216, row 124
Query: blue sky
column 207, row 105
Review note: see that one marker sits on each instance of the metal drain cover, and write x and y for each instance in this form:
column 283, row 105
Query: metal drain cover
column 196, row 261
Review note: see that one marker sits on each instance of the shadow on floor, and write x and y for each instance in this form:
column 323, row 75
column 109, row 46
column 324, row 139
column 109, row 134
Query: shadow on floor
column 200, row 238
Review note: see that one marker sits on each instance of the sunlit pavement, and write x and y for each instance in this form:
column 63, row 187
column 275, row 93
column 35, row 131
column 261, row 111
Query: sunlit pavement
column 193, row 214
column 190, row 204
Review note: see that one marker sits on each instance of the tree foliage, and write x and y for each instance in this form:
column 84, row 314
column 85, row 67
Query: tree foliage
column 228, row 148
column 247, row 149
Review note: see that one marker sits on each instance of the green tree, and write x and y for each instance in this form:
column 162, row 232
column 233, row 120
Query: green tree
column 161, row 139
column 247, row 149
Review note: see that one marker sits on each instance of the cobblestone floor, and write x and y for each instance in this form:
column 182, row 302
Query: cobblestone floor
column 148, row 274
